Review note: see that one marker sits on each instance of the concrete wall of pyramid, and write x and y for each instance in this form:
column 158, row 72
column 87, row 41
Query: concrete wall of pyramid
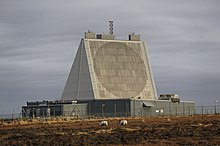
column 105, row 68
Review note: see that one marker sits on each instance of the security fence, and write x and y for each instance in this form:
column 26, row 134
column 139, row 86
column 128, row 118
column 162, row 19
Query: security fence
column 142, row 112
column 165, row 111
column 202, row 110
column 10, row 116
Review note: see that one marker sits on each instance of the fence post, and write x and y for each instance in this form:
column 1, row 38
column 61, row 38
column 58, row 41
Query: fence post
column 215, row 110
column 183, row 109
column 202, row 110
column 169, row 109
column 115, row 109
column 13, row 115
column 176, row 111
column 163, row 111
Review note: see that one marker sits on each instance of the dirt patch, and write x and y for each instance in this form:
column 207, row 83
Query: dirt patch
column 192, row 130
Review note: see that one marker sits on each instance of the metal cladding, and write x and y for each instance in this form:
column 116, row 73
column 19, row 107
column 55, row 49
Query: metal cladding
column 110, row 69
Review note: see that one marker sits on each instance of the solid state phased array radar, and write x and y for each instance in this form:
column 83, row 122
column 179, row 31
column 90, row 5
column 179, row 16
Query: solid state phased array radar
column 105, row 68
column 110, row 78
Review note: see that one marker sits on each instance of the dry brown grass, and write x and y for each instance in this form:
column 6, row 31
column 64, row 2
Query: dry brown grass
column 192, row 130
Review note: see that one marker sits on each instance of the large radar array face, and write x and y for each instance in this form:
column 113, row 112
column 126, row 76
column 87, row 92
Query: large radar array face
column 110, row 69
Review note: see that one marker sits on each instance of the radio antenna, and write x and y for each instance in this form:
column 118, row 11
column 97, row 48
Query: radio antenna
column 111, row 27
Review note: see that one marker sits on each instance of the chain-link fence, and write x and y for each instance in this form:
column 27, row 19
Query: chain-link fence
column 162, row 111
column 142, row 112
column 10, row 116
column 214, row 109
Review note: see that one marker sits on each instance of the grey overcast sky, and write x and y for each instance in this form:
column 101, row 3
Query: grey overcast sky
column 39, row 39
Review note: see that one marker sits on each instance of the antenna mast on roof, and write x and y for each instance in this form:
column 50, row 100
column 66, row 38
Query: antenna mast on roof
column 111, row 27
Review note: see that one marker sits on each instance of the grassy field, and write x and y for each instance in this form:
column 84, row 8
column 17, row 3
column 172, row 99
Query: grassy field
column 191, row 130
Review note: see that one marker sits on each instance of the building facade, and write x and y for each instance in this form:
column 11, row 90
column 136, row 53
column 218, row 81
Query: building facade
column 108, row 108
column 110, row 78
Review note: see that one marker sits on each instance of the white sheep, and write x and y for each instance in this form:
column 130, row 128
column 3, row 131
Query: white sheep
column 123, row 122
column 103, row 123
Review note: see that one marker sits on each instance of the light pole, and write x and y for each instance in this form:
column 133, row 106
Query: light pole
column 103, row 110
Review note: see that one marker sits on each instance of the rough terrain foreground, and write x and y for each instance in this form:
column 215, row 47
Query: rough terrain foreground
column 192, row 130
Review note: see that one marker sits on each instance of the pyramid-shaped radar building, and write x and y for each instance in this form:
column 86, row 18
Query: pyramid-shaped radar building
column 105, row 68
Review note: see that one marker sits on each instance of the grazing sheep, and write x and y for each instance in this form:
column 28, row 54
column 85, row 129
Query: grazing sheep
column 103, row 123
column 123, row 122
